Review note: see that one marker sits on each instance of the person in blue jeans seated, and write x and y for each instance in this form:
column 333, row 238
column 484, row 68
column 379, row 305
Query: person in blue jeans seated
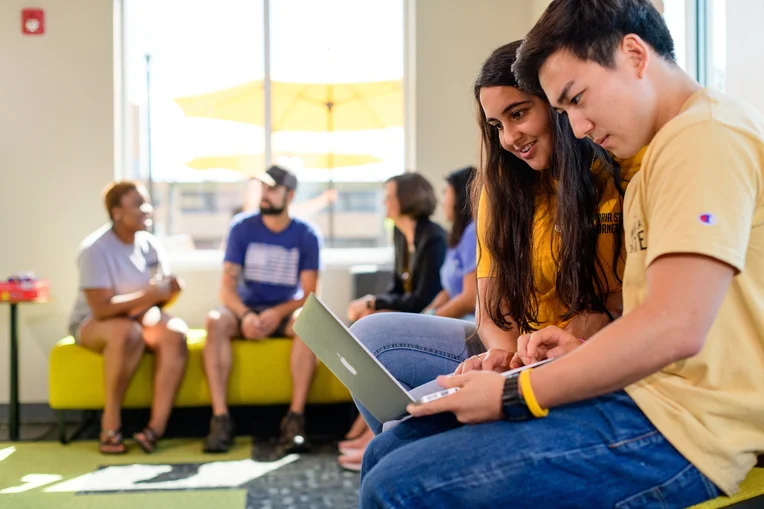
column 663, row 407
column 271, row 265
column 420, row 249
column 457, row 298
column 125, row 283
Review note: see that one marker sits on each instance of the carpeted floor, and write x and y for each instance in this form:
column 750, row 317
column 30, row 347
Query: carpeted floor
column 178, row 476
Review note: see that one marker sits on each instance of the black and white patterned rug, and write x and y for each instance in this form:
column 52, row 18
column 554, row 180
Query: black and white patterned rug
column 314, row 481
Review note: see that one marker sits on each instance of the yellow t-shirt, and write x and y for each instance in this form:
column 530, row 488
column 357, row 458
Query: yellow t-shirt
column 550, row 311
column 701, row 190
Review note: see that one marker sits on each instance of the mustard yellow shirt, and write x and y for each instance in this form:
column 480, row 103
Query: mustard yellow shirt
column 550, row 311
column 701, row 190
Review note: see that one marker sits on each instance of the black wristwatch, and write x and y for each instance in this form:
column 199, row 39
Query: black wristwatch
column 512, row 403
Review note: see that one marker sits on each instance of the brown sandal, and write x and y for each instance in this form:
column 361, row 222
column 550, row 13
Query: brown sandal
column 146, row 439
column 111, row 442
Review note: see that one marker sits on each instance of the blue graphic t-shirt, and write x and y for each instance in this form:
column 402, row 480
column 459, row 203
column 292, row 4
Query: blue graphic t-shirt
column 271, row 262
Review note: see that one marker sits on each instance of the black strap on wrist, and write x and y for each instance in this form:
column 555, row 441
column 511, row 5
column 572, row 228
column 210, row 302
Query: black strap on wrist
column 512, row 403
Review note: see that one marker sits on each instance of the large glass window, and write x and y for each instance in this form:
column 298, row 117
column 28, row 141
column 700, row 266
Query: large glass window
column 205, row 111
column 676, row 14
column 734, row 37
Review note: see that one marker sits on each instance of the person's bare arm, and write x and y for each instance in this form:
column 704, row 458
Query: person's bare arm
column 670, row 325
column 270, row 318
column 438, row 301
column 461, row 304
column 228, row 294
column 105, row 304
column 490, row 334
column 309, row 283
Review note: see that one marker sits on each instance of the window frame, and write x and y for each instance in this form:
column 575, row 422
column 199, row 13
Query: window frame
column 122, row 120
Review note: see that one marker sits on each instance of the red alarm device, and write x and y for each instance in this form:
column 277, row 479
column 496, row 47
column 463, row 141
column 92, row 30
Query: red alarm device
column 33, row 22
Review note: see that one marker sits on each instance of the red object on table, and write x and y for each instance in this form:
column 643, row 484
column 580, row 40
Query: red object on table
column 24, row 291
column 32, row 21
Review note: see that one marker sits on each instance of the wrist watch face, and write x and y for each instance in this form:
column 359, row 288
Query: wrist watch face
column 512, row 404
column 516, row 411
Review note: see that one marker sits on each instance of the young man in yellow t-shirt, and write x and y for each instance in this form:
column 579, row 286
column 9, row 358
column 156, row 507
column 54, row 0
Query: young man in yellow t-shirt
column 664, row 407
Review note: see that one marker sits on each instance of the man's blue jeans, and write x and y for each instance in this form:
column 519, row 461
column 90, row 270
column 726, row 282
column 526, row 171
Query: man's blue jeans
column 598, row 453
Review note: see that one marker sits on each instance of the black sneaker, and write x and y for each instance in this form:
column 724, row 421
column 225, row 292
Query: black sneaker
column 293, row 438
column 221, row 435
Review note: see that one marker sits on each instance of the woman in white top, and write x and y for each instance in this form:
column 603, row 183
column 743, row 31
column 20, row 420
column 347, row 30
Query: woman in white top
column 124, row 284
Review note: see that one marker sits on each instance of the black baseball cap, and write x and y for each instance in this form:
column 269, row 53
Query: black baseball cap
column 278, row 176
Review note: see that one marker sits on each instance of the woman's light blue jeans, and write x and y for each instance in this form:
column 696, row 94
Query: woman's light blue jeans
column 414, row 356
column 599, row 453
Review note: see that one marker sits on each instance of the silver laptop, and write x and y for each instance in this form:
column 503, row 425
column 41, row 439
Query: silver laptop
column 353, row 364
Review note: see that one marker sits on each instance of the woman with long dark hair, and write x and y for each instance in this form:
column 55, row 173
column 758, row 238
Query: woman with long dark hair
column 549, row 240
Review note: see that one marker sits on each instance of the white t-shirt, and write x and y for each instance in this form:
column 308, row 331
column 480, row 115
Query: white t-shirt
column 105, row 262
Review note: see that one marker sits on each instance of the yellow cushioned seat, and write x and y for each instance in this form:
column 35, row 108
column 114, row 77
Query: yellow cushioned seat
column 260, row 376
column 752, row 487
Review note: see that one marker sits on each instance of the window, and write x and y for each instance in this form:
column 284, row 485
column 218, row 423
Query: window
column 676, row 14
column 734, row 34
column 209, row 103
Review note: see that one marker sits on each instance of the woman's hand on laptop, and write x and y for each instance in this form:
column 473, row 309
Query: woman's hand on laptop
column 474, row 363
column 548, row 343
column 494, row 359
column 497, row 360
column 477, row 400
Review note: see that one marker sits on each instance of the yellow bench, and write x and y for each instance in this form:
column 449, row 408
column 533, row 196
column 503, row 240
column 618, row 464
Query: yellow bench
column 752, row 490
column 260, row 376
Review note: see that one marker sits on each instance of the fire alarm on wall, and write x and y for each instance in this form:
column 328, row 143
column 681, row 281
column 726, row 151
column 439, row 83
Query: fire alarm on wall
column 33, row 22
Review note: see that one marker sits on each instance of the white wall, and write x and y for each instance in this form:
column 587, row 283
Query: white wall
column 744, row 75
column 538, row 9
column 57, row 149
column 56, row 154
column 453, row 39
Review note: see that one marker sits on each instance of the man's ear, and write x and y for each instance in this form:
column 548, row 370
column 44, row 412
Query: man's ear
column 637, row 53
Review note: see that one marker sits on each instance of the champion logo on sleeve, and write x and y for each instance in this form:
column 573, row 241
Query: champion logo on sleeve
column 708, row 219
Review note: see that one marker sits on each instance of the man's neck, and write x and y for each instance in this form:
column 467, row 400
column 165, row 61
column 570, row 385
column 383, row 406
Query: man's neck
column 124, row 235
column 675, row 88
column 278, row 223
column 407, row 226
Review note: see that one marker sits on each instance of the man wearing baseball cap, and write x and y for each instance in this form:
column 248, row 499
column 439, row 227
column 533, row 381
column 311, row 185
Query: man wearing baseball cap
column 271, row 264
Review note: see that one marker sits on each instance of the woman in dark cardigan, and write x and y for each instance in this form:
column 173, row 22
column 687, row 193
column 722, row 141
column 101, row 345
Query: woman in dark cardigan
column 420, row 249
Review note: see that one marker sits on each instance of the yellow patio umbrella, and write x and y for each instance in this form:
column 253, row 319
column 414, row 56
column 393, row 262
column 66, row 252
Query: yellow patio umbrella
column 317, row 107
column 305, row 106
column 253, row 164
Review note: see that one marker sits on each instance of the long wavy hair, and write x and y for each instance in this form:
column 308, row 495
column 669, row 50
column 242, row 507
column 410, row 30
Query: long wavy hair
column 514, row 192
column 460, row 181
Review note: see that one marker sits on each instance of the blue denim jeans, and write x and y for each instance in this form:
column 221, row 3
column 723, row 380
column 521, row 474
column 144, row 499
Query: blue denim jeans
column 415, row 354
column 599, row 453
